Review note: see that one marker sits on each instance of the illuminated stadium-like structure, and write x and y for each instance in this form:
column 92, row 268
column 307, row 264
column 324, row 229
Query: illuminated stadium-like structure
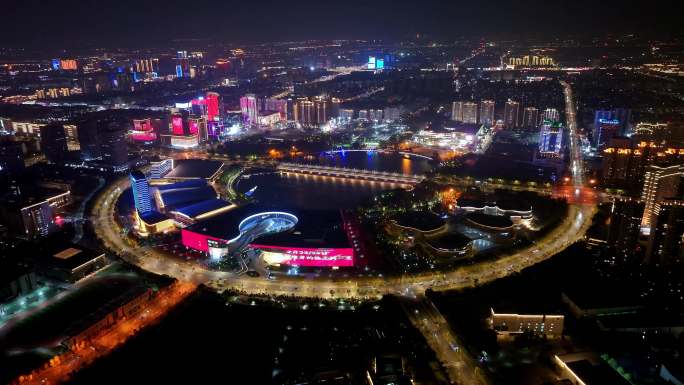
column 283, row 238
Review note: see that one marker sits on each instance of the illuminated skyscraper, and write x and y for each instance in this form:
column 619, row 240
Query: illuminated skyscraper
column 141, row 192
column 470, row 112
column 530, row 117
column 213, row 109
column 250, row 110
column 550, row 139
column 71, row 132
column 305, row 112
column 511, row 110
column 322, row 110
column 487, row 112
column 457, row 111
column 551, row 114
column 660, row 183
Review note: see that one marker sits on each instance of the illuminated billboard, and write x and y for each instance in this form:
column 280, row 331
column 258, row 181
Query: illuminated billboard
column 306, row 256
column 380, row 64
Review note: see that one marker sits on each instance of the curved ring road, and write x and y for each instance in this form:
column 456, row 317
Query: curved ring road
column 570, row 230
column 573, row 228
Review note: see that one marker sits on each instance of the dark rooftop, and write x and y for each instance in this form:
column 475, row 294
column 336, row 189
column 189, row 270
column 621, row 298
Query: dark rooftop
column 449, row 241
column 421, row 220
column 496, row 221
column 195, row 169
column 202, row 207
column 600, row 374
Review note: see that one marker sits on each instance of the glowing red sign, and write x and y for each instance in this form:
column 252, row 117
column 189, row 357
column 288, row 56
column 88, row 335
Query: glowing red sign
column 177, row 125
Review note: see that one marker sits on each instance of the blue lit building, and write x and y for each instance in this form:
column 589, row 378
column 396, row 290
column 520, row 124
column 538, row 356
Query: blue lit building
column 141, row 192
column 550, row 139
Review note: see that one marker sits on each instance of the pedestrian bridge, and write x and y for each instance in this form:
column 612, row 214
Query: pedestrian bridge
column 351, row 173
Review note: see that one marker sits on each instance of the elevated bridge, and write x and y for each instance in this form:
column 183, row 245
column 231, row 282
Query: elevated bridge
column 351, row 173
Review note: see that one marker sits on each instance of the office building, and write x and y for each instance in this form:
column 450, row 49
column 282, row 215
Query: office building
column 113, row 145
column 322, row 107
column 551, row 114
column 624, row 225
column 159, row 169
column 550, row 139
column 197, row 126
column 71, row 133
column 213, row 102
column 277, row 105
column 660, row 183
column 31, row 215
column 141, row 192
column 538, row 324
column 53, row 142
column 665, row 245
column 511, row 111
column 616, row 121
column 375, row 115
column 530, row 117
column 346, row 115
column 305, row 112
column 249, row 105
column 457, row 111
column 470, row 112
column 11, row 158
column 604, row 131
column 487, row 112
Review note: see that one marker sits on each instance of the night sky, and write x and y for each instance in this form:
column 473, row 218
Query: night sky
column 136, row 22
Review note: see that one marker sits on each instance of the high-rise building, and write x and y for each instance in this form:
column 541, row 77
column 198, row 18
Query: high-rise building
column 487, row 112
column 11, row 158
column 89, row 140
column 375, row 115
column 666, row 243
column 53, row 142
column 550, row 114
column 457, row 111
column 198, row 127
column 470, row 112
column 660, row 183
column 141, row 192
column 71, row 133
column 249, row 105
column 305, row 112
column 624, row 225
column 335, row 107
column 604, row 131
column 322, row 107
column 277, row 105
column 113, row 145
column 550, row 139
column 530, row 117
column 213, row 106
column 511, row 110
column 346, row 115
